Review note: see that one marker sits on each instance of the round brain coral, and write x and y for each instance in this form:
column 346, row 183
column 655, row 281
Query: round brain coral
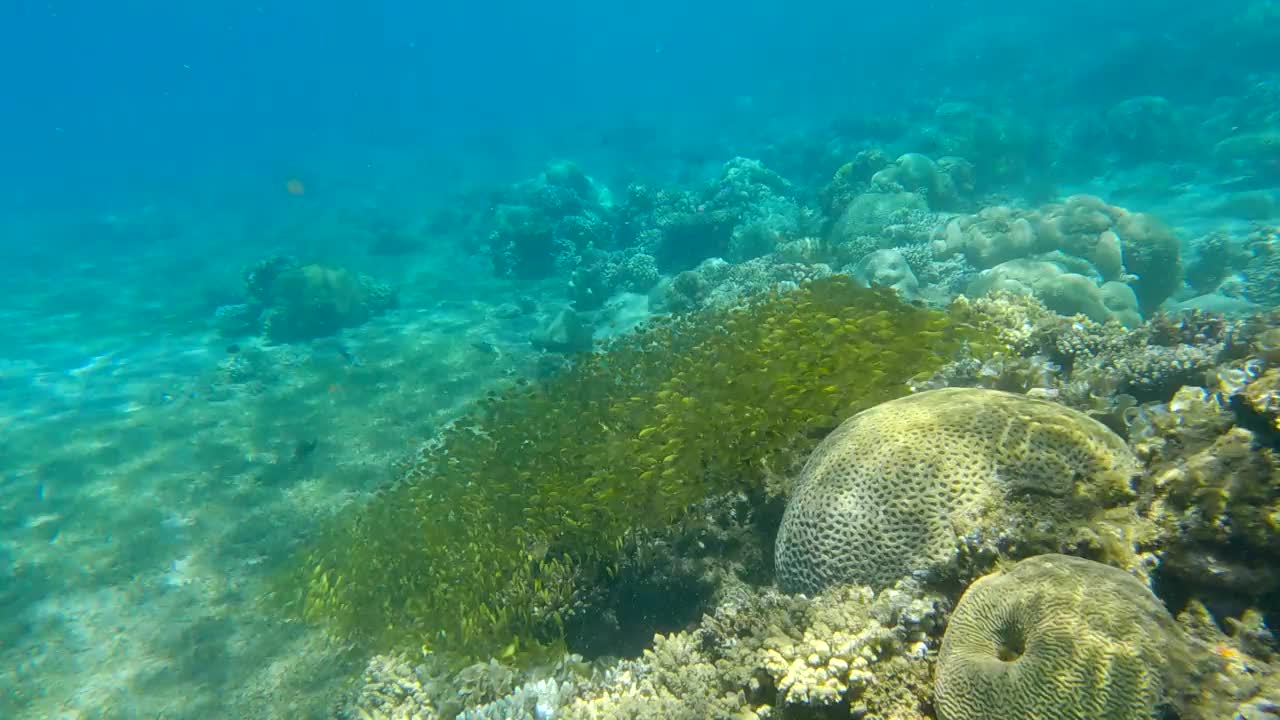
column 1057, row 637
column 896, row 489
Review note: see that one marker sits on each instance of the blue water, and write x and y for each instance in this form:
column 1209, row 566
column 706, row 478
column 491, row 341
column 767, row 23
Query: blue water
column 151, row 151
column 138, row 101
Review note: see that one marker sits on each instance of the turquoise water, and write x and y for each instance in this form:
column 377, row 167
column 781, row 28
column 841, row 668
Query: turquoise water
column 252, row 254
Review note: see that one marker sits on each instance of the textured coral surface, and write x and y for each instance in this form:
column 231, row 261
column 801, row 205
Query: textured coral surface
column 894, row 489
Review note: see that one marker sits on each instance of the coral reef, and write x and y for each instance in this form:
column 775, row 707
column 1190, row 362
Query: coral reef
column 537, row 700
column 1195, row 395
column 1216, row 257
column 850, row 651
column 900, row 489
column 629, row 499
column 849, row 637
column 1235, row 673
column 1099, row 369
column 719, row 284
column 756, row 654
column 1261, row 273
column 763, row 655
column 852, row 179
column 389, row 689
column 746, row 213
column 1211, row 453
column 393, row 687
column 888, row 268
column 761, row 203
column 542, row 225
column 1063, row 291
column 944, row 184
column 875, row 221
column 1059, row 636
column 622, row 440
column 1081, row 235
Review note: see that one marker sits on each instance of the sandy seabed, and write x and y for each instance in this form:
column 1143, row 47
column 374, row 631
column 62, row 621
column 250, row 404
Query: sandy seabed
column 152, row 480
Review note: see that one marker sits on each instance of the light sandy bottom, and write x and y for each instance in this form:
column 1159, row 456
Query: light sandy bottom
column 150, row 482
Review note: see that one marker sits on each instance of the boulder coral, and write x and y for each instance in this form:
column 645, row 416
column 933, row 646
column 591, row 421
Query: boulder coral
column 1062, row 637
column 1106, row 243
column 888, row 268
column 944, row 183
column 1063, row 291
column 900, row 489
column 868, row 221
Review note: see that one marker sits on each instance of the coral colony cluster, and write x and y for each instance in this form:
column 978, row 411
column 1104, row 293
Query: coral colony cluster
column 908, row 442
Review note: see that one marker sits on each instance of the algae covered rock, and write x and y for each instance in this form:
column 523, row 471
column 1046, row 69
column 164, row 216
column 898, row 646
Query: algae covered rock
column 1216, row 472
column 1058, row 637
column 898, row 489
column 290, row 302
column 316, row 300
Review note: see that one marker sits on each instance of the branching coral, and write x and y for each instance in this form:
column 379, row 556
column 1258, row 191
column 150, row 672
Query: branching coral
column 762, row 654
column 848, row 632
column 543, row 224
column 1099, row 368
column 718, row 284
column 390, row 689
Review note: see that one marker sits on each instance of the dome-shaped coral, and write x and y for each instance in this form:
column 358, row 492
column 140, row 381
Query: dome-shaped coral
column 897, row 488
column 1101, row 242
column 1057, row 637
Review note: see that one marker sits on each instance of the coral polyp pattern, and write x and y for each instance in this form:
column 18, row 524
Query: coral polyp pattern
column 894, row 490
column 1059, row 637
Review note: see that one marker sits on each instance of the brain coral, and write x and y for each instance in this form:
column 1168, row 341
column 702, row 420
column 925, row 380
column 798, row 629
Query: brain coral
column 1057, row 637
column 897, row 488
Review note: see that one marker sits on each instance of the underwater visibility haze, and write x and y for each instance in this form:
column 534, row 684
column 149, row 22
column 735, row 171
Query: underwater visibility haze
column 418, row 361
